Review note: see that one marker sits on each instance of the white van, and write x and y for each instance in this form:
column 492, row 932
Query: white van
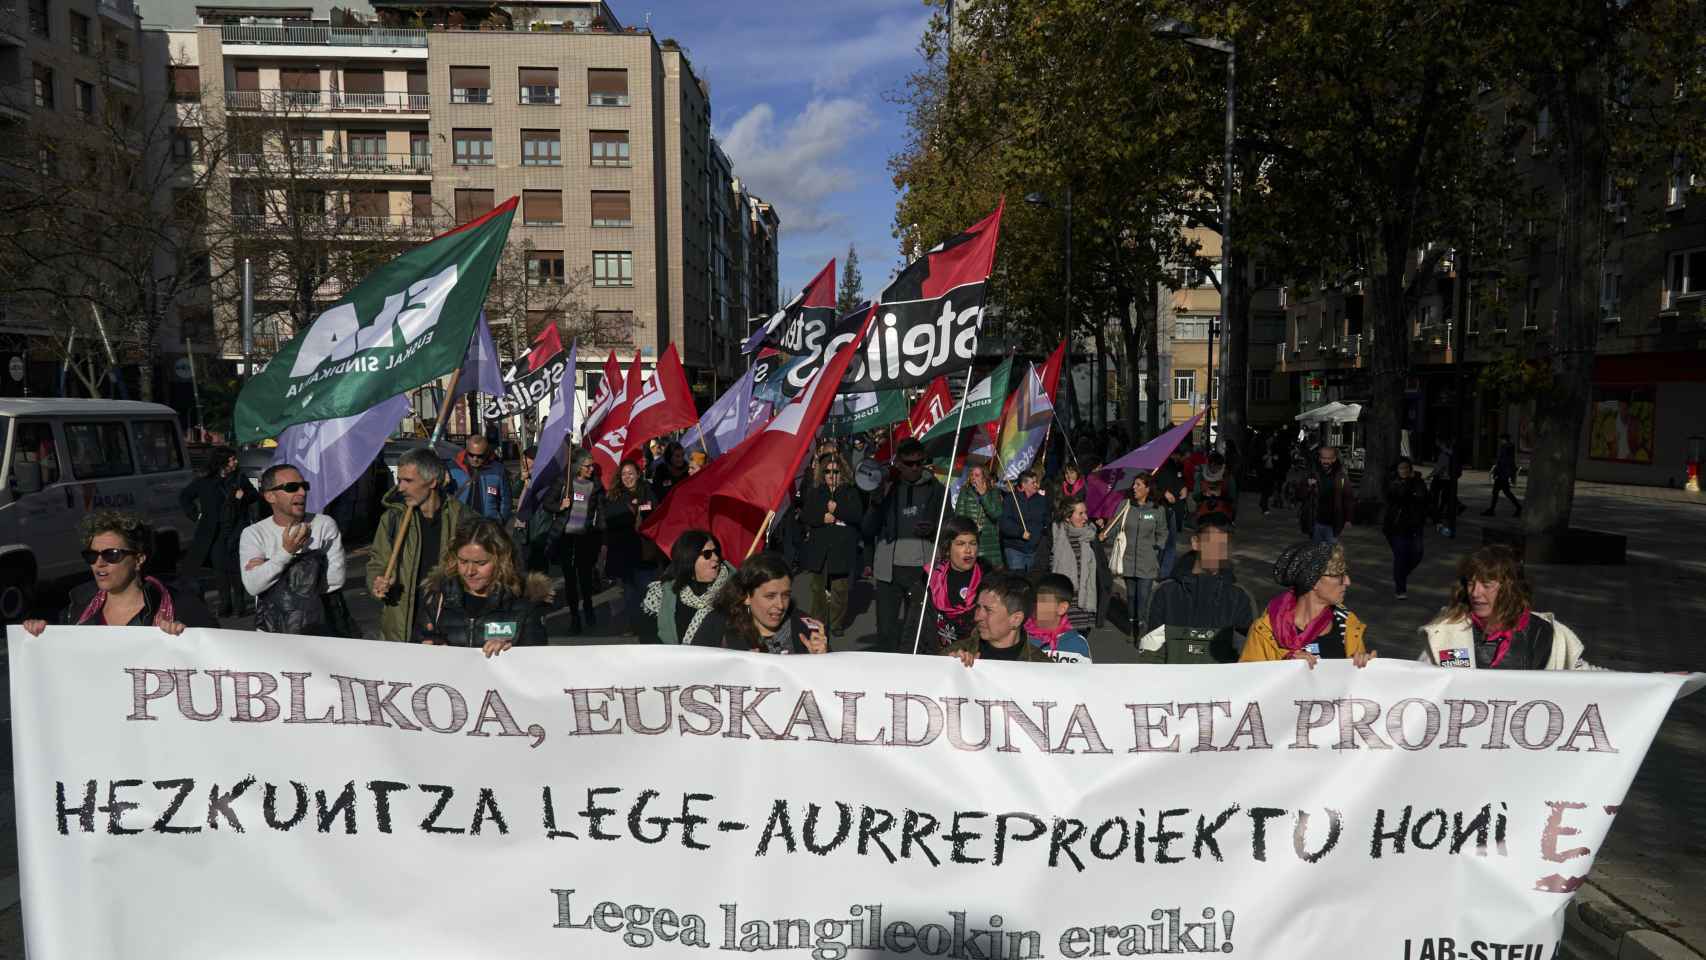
column 67, row 457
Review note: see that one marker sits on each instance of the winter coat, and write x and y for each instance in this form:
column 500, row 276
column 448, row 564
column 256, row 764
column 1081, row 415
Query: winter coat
column 538, row 534
column 219, row 516
column 397, row 612
column 188, row 607
column 832, row 548
column 1408, row 506
column 672, row 616
column 1344, row 499
column 1453, row 642
column 1135, row 545
column 1028, row 651
column 1170, row 478
column 1210, row 601
column 1215, row 496
column 1037, row 516
column 985, row 511
column 882, row 522
column 714, row 632
column 442, row 615
column 484, row 491
column 1341, row 641
column 626, row 550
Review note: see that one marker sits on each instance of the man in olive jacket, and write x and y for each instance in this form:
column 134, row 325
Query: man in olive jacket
column 420, row 482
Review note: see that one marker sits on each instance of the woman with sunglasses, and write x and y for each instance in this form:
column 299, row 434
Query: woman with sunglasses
column 1308, row 621
column 755, row 612
column 679, row 601
column 478, row 597
column 115, row 545
column 221, row 503
column 831, row 513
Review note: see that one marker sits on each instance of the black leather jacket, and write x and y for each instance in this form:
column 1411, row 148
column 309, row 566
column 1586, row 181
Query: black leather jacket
column 443, row 616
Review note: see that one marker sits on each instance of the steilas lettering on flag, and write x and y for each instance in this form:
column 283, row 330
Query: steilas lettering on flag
column 732, row 494
column 665, row 404
column 611, row 439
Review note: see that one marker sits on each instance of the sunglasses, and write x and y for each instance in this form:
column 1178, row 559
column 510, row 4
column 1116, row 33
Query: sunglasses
column 479, row 457
column 291, row 487
column 912, row 464
column 708, row 554
column 110, row 555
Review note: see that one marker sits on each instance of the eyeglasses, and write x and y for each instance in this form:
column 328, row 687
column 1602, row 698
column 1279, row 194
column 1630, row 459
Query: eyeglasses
column 708, row 554
column 291, row 487
column 479, row 457
column 110, row 555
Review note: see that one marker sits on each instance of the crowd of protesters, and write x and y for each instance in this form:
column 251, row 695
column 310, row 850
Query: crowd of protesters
column 1020, row 569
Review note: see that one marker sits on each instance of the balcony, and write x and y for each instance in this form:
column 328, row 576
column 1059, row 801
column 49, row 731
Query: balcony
column 323, row 36
column 124, row 74
column 312, row 164
column 323, row 101
column 119, row 11
column 333, row 226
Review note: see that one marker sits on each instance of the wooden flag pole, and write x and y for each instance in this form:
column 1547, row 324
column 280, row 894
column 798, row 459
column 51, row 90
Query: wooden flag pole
column 702, row 444
column 444, row 408
column 942, row 514
column 758, row 538
column 397, row 543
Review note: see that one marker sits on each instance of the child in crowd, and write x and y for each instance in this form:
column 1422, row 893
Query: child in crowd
column 1048, row 627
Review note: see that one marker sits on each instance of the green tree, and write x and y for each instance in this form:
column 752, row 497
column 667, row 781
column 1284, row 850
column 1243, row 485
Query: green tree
column 852, row 289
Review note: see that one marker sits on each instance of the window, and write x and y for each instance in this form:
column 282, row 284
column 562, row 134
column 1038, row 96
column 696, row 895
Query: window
column 541, row 148
column 1261, row 385
column 545, row 266
column 304, row 147
column 186, row 84
column 33, row 443
column 472, row 204
column 539, row 85
column 610, row 148
column 1190, row 328
column 1676, row 189
column 364, row 89
column 607, row 88
column 38, row 18
column 121, row 50
column 613, row 326
column 85, row 94
column 370, row 208
column 367, row 149
column 542, row 207
column 472, row 147
column 1536, row 206
column 98, row 450
column 79, row 32
column 1610, row 294
column 417, row 80
column 157, row 447
column 420, row 151
column 300, row 86
column 1501, row 312
column 610, row 208
column 612, row 269
column 1531, row 309
column 1542, row 130
column 1686, row 276
column 43, row 86
column 420, row 206
column 470, row 85
column 1185, row 386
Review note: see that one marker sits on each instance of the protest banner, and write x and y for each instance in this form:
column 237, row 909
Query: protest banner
column 230, row 794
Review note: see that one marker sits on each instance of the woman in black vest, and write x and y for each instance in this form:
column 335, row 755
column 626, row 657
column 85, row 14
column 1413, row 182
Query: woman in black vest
column 477, row 597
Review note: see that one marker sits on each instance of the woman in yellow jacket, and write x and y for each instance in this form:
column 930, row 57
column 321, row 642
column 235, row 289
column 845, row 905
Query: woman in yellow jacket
column 1308, row 620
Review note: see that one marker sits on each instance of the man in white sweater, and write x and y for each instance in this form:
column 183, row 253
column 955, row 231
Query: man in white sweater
column 291, row 561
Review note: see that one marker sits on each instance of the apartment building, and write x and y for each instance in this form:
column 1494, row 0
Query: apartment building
column 1647, row 413
column 1187, row 316
column 425, row 116
column 65, row 66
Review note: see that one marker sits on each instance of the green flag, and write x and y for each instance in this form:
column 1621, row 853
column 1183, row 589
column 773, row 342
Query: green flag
column 851, row 413
column 409, row 322
column 983, row 404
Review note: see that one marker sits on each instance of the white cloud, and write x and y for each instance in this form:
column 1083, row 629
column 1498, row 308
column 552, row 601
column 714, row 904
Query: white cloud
column 800, row 165
column 761, row 52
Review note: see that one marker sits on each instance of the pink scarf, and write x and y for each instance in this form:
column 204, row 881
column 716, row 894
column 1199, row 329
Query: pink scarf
column 1073, row 489
column 939, row 590
column 1501, row 637
column 164, row 615
column 1286, row 634
column 1048, row 638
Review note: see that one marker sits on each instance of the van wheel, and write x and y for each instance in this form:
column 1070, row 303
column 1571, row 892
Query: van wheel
column 17, row 593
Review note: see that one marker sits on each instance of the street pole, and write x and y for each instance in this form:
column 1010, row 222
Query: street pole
column 1228, row 284
column 1066, row 357
column 248, row 318
column 1208, row 388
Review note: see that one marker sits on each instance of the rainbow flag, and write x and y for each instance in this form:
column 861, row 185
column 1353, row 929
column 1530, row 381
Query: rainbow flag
column 1026, row 419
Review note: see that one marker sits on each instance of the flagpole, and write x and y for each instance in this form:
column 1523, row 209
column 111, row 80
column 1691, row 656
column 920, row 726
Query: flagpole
column 996, row 457
column 942, row 514
column 758, row 538
column 444, row 409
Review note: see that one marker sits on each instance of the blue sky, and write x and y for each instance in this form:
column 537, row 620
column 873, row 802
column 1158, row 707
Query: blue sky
column 797, row 103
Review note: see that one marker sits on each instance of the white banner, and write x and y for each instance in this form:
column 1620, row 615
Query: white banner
column 225, row 794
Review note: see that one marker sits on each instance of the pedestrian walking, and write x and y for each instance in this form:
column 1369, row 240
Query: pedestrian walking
column 293, row 562
column 579, row 522
column 832, row 512
column 1073, row 553
column 1448, row 468
column 1172, row 490
column 1024, row 527
column 903, row 524
column 119, row 594
column 981, row 503
column 1327, row 502
column 628, row 556
column 682, row 597
column 480, row 481
column 478, row 597
column 1139, row 535
column 1216, row 489
column 1504, row 474
column 754, row 611
column 1203, row 593
column 1308, row 619
column 1490, row 623
column 221, row 502
column 421, row 543
column 1408, row 508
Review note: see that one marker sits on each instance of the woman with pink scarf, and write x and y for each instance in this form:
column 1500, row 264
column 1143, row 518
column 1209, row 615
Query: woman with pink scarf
column 115, row 545
column 953, row 586
column 1309, row 620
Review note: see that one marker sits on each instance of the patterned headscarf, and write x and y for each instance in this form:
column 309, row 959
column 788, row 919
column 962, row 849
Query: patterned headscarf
column 1301, row 565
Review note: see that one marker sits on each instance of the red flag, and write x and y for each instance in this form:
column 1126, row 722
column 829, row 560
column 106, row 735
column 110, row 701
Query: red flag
column 933, row 404
column 665, row 404
column 611, row 439
column 605, row 400
column 732, row 494
column 546, row 346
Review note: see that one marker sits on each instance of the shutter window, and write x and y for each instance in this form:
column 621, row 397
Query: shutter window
column 472, row 204
column 542, row 206
column 364, row 81
column 610, row 208
column 607, row 88
column 248, row 78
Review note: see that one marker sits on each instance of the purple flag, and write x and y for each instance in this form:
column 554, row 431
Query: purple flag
column 1105, row 488
column 553, row 439
column 734, row 417
column 480, row 373
column 332, row 454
